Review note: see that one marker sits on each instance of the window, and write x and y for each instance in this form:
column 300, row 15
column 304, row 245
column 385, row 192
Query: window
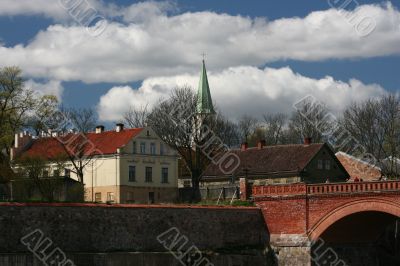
column 327, row 164
column 97, row 197
column 67, row 173
column 164, row 175
column 132, row 173
column 149, row 174
column 320, row 164
column 161, row 149
column 56, row 173
column 152, row 148
column 134, row 147
column 110, row 196
column 142, row 147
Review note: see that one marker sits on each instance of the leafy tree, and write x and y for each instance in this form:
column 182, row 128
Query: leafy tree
column 15, row 104
column 35, row 171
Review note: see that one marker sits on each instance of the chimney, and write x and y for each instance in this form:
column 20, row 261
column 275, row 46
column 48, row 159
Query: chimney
column 307, row 141
column 244, row 146
column 261, row 144
column 99, row 129
column 22, row 140
column 119, row 127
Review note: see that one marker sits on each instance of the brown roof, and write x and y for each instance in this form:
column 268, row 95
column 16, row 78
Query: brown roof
column 279, row 159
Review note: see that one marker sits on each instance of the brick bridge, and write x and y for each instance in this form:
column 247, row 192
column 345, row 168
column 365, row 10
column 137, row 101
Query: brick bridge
column 355, row 214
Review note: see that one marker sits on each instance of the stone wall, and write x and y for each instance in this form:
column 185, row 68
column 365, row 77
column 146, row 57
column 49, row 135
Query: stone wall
column 136, row 259
column 132, row 230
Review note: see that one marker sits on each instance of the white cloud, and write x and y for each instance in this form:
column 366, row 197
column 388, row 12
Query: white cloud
column 60, row 10
column 47, row 8
column 52, row 87
column 144, row 11
column 158, row 44
column 249, row 90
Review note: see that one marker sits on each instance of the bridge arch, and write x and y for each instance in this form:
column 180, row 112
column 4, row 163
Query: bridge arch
column 372, row 204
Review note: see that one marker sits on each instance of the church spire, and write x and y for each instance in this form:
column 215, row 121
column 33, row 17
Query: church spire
column 204, row 101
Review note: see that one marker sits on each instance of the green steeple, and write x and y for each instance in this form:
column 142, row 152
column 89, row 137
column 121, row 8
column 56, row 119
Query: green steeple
column 204, row 102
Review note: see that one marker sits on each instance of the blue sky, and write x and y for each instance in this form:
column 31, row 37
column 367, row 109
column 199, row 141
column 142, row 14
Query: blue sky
column 269, row 53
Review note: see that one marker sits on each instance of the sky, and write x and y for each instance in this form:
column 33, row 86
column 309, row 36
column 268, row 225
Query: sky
column 261, row 56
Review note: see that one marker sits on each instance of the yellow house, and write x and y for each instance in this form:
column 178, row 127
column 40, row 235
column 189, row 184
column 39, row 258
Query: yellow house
column 128, row 165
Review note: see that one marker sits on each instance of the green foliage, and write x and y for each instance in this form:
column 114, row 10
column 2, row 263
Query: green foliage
column 33, row 175
column 19, row 108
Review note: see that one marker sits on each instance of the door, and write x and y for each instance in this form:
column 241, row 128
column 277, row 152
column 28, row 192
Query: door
column 151, row 197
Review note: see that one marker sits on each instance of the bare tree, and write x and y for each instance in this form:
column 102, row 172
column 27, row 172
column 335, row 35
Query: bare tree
column 247, row 126
column 226, row 130
column 375, row 124
column 275, row 128
column 78, row 149
column 390, row 121
column 83, row 119
column 42, row 118
column 136, row 117
column 309, row 122
column 176, row 121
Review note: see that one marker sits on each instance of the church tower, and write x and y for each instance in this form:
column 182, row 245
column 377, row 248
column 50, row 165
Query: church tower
column 204, row 102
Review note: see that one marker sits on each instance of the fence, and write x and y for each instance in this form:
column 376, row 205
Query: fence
column 211, row 193
column 319, row 189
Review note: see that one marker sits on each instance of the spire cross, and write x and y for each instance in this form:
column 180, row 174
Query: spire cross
column 204, row 56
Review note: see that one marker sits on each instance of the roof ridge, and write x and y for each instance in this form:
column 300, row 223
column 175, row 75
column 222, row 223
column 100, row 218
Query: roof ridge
column 280, row 145
column 113, row 130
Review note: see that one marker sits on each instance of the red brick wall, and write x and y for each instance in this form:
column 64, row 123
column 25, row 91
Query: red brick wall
column 305, row 213
column 284, row 216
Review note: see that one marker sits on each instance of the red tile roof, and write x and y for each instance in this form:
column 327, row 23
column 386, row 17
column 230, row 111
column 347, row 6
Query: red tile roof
column 277, row 159
column 102, row 143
